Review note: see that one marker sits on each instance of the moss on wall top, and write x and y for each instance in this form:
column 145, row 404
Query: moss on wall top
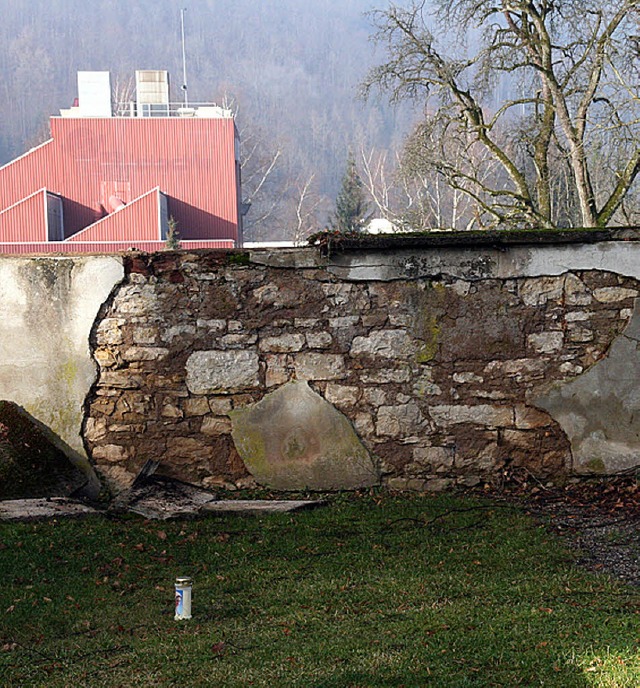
column 331, row 241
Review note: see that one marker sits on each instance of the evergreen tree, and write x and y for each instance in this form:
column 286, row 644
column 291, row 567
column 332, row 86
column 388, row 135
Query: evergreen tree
column 351, row 204
column 172, row 241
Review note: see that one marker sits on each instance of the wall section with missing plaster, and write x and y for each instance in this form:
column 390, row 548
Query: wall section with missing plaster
column 453, row 364
column 599, row 410
column 441, row 367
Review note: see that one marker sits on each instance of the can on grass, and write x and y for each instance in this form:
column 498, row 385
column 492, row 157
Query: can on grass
column 183, row 598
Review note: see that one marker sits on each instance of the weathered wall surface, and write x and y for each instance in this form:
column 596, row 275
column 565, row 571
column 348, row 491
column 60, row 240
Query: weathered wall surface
column 47, row 309
column 451, row 364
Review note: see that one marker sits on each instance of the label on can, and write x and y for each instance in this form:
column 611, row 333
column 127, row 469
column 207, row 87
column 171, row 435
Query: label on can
column 183, row 599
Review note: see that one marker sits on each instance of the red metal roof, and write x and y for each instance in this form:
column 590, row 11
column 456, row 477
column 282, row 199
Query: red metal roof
column 19, row 248
column 191, row 161
column 138, row 221
column 25, row 220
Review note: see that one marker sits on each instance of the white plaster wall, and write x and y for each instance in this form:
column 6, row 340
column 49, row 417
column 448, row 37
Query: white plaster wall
column 47, row 308
column 621, row 257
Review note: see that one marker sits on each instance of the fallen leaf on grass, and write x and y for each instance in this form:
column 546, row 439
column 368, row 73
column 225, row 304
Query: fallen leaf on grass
column 218, row 649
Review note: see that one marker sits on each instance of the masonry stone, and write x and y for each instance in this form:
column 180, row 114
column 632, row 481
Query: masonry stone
column 383, row 376
column 399, row 421
column 170, row 410
column 579, row 334
column 110, row 452
column 546, row 342
column 316, row 366
column 345, row 321
column 293, row 439
column 342, row 395
column 434, row 458
column 374, row 396
column 237, row 341
column 541, row 290
column 576, row 292
column 211, row 372
column 438, row 484
column 529, row 417
column 613, row 294
column 196, row 406
column 214, row 326
column 144, row 353
column 577, row 316
column 109, row 331
column 467, row 377
column 319, row 340
column 215, row 426
column 220, row 406
column 480, row 414
column 144, row 335
column 363, row 423
column 385, row 343
column 283, row 343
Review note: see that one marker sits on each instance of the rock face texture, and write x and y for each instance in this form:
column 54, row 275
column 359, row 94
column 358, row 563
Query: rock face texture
column 448, row 365
column 293, row 439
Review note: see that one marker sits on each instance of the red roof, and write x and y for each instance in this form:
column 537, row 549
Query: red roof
column 159, row 167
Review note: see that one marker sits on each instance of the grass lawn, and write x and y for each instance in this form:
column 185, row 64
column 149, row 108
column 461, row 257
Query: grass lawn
column 369, row 591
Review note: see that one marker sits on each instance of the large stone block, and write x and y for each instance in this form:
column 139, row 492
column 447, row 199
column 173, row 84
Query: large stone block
column 293, row 439
column 399, row 421
column 386, row 343
column 313, row 366
column 48, row 307
column 222, row 372
column 33, row 461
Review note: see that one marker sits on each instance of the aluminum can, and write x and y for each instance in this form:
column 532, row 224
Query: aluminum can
column 183, row 598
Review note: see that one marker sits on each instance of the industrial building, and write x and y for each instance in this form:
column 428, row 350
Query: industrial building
column 115, row 176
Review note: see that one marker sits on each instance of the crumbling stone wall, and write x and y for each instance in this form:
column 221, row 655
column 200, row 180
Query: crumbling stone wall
column 439, row 373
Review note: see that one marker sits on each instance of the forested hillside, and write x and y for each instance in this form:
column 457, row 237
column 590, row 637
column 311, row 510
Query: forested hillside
column 290, row 69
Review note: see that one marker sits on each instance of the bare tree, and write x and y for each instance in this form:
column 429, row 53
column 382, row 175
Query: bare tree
column 380, row 179
column 306, row 204
column 573, row 65
column 415, row 191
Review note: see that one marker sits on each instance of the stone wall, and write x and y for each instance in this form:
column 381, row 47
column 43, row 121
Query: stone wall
column 452, row 364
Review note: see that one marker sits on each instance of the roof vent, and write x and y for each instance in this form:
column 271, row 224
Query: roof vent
column 152, row 93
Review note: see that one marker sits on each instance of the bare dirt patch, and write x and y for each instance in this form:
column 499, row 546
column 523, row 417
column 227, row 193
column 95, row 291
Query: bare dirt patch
column 599, row 519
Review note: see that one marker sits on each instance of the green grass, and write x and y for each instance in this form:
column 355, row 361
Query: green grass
column 360, row 593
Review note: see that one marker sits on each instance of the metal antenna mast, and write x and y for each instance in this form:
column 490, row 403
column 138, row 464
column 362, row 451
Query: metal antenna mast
column 184, row 58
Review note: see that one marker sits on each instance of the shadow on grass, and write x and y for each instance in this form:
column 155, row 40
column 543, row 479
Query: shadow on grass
column 362, row 593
